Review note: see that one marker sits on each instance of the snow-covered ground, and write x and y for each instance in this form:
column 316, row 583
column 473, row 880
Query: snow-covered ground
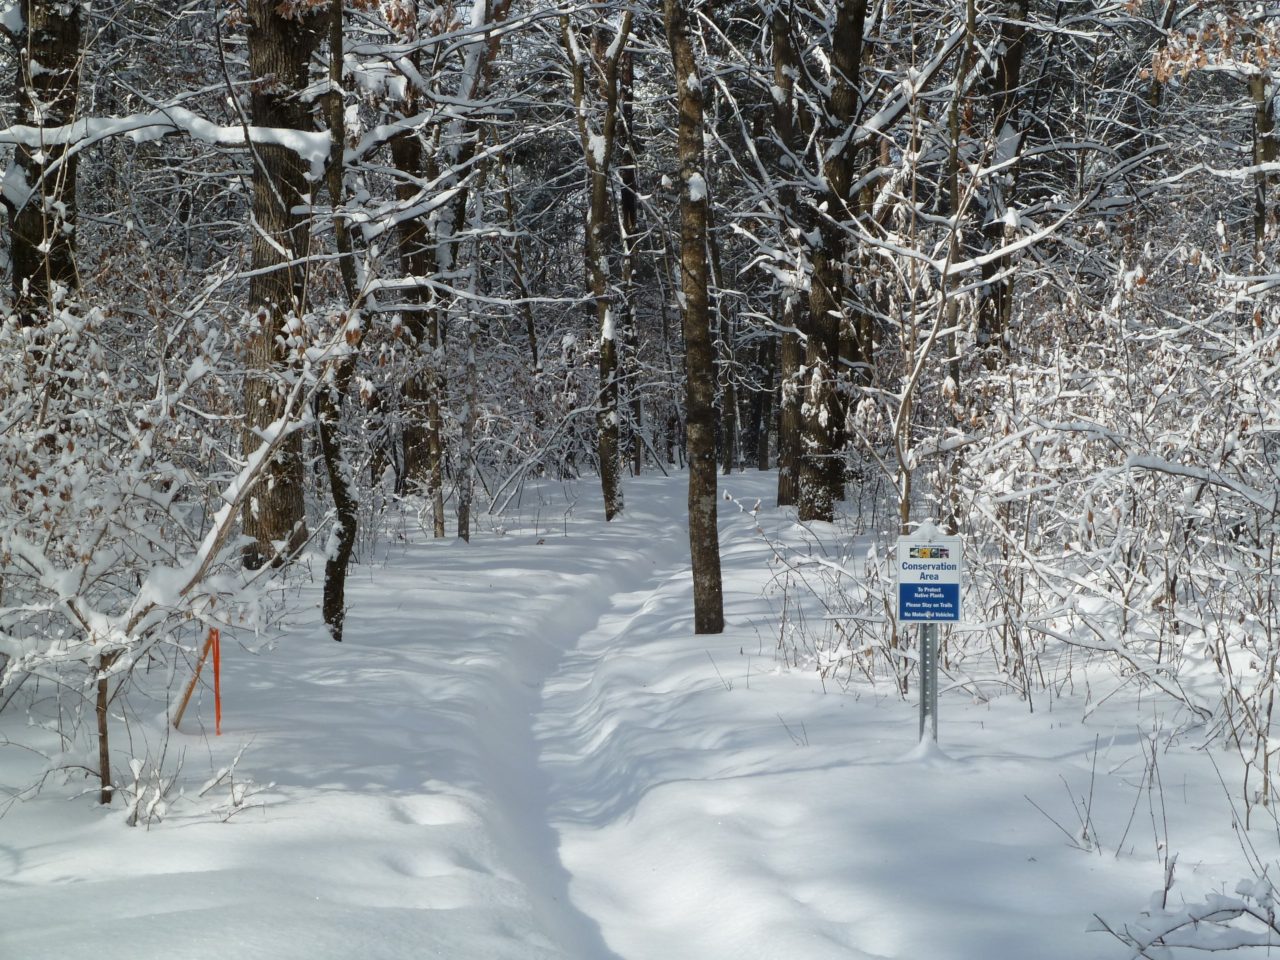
column 523, row 751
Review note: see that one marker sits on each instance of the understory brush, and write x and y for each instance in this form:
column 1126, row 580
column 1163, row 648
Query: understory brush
column 1114, row 525
column 119, row 543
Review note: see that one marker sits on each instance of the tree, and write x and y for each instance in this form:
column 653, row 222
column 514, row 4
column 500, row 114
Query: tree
column 330, row 395
column 821, row 466
column 41, row 199
column 423, row 389
column 704, row 538
column 281, row 40
column 597, row 65
column 786, row 153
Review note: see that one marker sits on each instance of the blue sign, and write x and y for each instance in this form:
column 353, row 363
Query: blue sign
column 929, row 577
column 928, row 602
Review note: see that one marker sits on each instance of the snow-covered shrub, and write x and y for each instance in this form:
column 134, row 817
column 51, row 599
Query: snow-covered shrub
column 1118, row 486
column 1219, row 924
column 1125, row 507
column 121, row 492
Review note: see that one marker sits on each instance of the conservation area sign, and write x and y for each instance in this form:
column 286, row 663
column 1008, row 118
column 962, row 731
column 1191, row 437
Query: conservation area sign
column 929, row 578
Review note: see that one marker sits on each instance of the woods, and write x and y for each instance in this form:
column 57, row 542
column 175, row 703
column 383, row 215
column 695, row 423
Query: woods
column 276, row 265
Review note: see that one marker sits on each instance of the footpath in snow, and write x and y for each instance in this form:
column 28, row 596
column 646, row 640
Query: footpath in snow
column 523, row 751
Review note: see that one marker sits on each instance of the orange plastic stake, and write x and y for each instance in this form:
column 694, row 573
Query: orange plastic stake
column 216, row 640
column 186, row 697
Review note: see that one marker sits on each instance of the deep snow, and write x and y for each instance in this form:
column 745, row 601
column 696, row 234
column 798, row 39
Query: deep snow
column 523, row 751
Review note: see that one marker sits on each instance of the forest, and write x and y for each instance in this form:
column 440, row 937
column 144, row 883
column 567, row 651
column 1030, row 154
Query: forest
column 288, row 278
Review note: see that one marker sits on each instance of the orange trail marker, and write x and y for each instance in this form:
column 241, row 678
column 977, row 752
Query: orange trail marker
column 211, row 644
column 216, row 639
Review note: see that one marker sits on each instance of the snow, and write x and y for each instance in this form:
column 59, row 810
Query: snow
column 523, row 751
column 1008, row 142
column 11, row 20
column 697, row 187
column 311, row 147
column 596, row 150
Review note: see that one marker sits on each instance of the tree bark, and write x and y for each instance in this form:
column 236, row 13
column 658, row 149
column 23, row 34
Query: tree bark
column 279, row 50
column 43, row 238
column 629, row 220
column 106, row 789
column 330, row 399
column 764, row 399
column 423, row 425
column 1265, row 151
column 790, row 422
column 995, row 308
column 704, row 541
column 786, row 66
column 597, row 149
column 821, row 468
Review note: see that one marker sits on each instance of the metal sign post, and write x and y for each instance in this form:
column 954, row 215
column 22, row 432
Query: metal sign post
column 929, row 594
column 929, row 681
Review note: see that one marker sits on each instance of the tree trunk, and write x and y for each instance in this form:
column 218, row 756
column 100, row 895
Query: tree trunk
column 42, row 226
column 428, row 246
column 995, row 308
column 958, row 205
column 471, row 409
column 602, row 65
column 790, row 358
column 730, row 423
column 786, row 67
column 1265, row 151
column 328, row 414
column 629, row 220
column 279, row 50
column 103, row 700
column 330, row 399
column 522, row 289
column 764, row 399
column 423, row 427
column 704, row 541
column 470, row 414
column 821, row 468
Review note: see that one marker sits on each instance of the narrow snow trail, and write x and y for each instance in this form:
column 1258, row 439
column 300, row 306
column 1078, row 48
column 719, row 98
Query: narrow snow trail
column 669, row 775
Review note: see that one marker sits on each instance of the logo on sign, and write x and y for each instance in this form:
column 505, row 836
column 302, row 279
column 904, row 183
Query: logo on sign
column 930, row 552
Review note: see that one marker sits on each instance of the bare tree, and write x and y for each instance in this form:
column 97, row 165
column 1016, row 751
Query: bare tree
column 821, row 463
column 787, row 149
column 331, row 395
column 42, row 201
column 596, row 65
column 704, row 539
column 281, row 41
column 423, row 320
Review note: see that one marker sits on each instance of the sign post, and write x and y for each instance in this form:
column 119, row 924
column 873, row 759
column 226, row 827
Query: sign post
column 929, row 593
